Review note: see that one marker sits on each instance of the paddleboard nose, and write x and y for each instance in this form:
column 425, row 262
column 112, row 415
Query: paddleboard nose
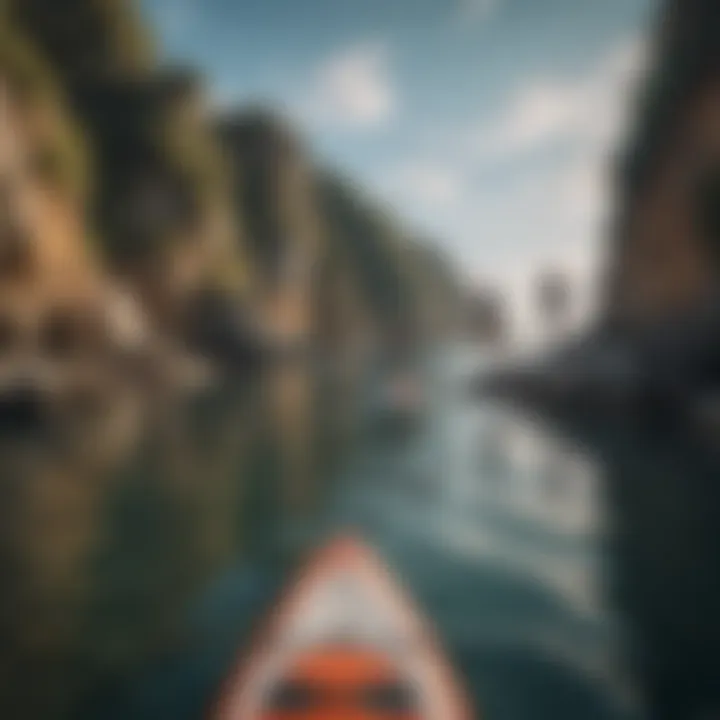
column 344, row 643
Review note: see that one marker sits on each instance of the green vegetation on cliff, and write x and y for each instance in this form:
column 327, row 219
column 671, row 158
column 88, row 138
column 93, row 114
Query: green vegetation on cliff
column 406, row 284
column 365, row 239
column 182, row 205
column 367, row 273
column 272, row 191
column 59, row 155
column 160, row 201
column 160, row 172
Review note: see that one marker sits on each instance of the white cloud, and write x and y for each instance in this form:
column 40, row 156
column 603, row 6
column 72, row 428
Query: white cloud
column 352, row 89
column 591, row 108
column 551, row 213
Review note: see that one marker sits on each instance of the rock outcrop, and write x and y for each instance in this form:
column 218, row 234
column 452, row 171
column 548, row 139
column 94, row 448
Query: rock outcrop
column 159, row 197
column 225, row 232
column 666, row 261
column 275, row 203
column 328, row 263
column 52, row 282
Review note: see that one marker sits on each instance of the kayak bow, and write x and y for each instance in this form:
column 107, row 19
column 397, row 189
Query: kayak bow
column 344, row 643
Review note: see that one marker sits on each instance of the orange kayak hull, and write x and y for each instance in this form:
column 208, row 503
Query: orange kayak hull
column 344, row 643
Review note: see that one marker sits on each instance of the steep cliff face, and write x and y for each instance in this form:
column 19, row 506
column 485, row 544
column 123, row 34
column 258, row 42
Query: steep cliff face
column 406, row 288
column 48, row 270
column 160, row 199
column 365, row 245
column 327, row 261
column 437, row 297
column 666, row 257
column 275, row 201
column 193, row 214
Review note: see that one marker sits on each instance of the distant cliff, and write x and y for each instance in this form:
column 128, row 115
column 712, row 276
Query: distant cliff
column 485, row 317
column 322, row 252
column 218, row 226
column 275, row 204
column 666, row 256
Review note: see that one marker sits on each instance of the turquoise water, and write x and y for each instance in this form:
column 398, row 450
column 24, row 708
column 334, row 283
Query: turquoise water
column 132, row 585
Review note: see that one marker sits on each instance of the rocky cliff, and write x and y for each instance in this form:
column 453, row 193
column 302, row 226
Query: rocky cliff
column 665, row 260
column 276, row 205
column 50, row 274
column 331, row 261
column 217, row 227
column 159, row 199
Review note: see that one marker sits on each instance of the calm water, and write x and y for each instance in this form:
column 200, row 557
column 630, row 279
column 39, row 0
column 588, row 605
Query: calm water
column 136, row 556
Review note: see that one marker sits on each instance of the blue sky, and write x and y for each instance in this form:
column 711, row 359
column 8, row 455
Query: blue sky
column 487, row 123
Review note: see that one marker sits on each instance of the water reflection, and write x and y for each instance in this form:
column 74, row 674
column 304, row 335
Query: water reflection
column 665, row 536
column 508, row 553
column 139, row 543
column 110, row 528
